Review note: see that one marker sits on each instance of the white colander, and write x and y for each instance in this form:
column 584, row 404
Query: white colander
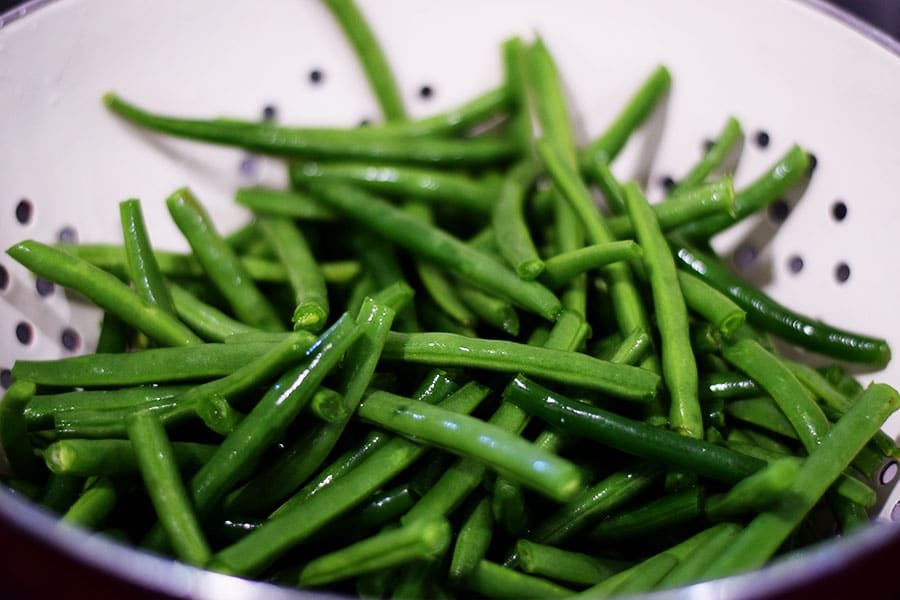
column 790, row 71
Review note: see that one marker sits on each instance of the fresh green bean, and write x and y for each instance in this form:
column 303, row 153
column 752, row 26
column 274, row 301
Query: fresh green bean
column 708, row 199
column 41, row 409
column 727, row 385
column 368, row 51
column 631, row 436
column 208, row 321
column 632, row 349
column 503, row 451
column 303, row 518
column 647, row 519
column 143, row 271
column 60, row 492
column 220, row 263
column 768, row 187
column 714, row 306
column 447, row 349
column 104, row 290
column 492, row 310
column 767, row 531
column 692, row 564
column 417, row 183
column 156, row 365
column 756, row 493
column 491, row 580
column 283, row 203
column 779, row 320
column 640, row 106
column 94, row 505
column 114, row 457
column 271, row 416
column 304, row 276
column 516, row 83
column 14, row 439
column 472, row 541
column 437, row 246
column 510, row 226
column 509, row 505
column 678, row 364
column 610, row 493
column 420, row 540
column 548, row 97
column 797, row 404
column 114, row 334
column 112, row 258
column 726, row 143
column 762, row 412
column 561, row 268
column 217, row 414
column 639, row 578
column 166, row 490
column 377, row 146
column 561, row 565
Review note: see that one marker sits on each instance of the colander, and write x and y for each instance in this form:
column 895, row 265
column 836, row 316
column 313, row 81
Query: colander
column 789, row 70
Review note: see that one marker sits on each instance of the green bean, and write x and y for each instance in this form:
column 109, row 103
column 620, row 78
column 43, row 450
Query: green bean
column 509, row 223
column 156, row 365
column 561, row 268
column 472, row 541
column 421, row 540
column 495, row 581
column 712, row 305
column 547, row 94
column 113, row 335
column 494, row 311
column 206, row 320
column 630, row 436
column 111, row 257
column 509, row 505
column 761, row 412
column 377, row 146
column 271, row 416
column 40, row 410
column 792, row 398
column 756, row 493
column 767, row 531
column 437, row 246
column 94, row 505
column 275, row 481
column 849, row 515
column 629, row 309
column 416, row 183
column 166, row 490
column 60, row 492
column 447, row 349
column 768, row 187
column 444, row 294
column 220, row 263
column 14, row 438
column 678, row 364
column 303, row 518
column 304, row 276
column 632, row 349
column 639, row 578
column 770, row 316
column 708, row 199
column 459, row 119
column 110, row 423
column 608, row 145
column 328, row 405
column 726, row 143
column 104, row 290
column 692, row 564
column 283, row 203
column 379, row 510
column 370, row 54
column 114, row 457
column 591, row 504
column 503, row 451
column 217, row 414
column 727, row 385
column 515, row 80
column 645, row 520
column 143, row 270
column 561, row 565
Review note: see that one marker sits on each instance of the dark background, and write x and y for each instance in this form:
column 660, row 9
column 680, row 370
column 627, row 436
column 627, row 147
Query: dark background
column 883, row 14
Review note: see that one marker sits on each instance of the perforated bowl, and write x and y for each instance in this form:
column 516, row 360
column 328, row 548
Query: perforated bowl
column 791, row 71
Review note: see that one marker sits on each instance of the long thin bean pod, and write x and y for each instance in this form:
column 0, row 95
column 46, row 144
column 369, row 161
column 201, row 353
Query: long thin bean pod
column 104, row 290
column 472, row 541
column 208, row 321
column 572, row 368
column 510, row 226
column 561, row 268
column 220, row 263
column 143, row 270
column 724, row 145
column 436, row 245
column 115, row 457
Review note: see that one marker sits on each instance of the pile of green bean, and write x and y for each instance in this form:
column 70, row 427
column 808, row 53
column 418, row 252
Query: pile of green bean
column 437, row 365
